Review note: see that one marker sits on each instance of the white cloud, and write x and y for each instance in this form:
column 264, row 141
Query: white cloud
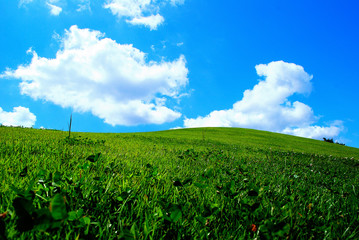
column 266, row 106
column 20, row 116
column 24, row 2
column 140, row 12
column 84, row 5
column 113, row 81
column 151, row 21
column 316, row 132
column 54, row 10
column 176, row 2
column 128, row 8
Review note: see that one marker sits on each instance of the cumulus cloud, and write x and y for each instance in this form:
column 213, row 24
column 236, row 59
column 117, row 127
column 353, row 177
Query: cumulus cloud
column 267, row 107
column 140, row 12
column 316, row 132
column 20, row 116
column 54, row 10
column 113, row 81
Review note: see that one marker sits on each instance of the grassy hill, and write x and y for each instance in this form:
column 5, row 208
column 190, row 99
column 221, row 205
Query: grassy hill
column 259, row 139
column 205, row 183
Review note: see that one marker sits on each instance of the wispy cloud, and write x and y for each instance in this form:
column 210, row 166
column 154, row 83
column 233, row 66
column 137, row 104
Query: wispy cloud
column 54, row 10
column 113, row 81
column 266, row 106
column 84, row 5
column 176, row 2
column 24, row 2
column 56, row 6
column 151, row 21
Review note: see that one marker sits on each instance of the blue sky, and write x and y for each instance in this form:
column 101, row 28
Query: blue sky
column 144, row 65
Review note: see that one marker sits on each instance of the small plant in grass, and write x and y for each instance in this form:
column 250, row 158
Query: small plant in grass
column 70, row 123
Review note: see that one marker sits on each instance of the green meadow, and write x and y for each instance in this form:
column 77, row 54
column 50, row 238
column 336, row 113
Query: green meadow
column 205, row 183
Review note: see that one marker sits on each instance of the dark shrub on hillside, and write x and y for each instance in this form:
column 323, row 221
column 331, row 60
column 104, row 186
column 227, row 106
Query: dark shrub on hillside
column 330, row 140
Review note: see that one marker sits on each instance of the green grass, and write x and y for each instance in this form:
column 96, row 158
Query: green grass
column 206, row 183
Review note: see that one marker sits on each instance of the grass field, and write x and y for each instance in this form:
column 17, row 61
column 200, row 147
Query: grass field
column 206, row 183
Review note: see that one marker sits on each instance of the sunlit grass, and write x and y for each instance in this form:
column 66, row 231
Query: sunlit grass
column 181, row 184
